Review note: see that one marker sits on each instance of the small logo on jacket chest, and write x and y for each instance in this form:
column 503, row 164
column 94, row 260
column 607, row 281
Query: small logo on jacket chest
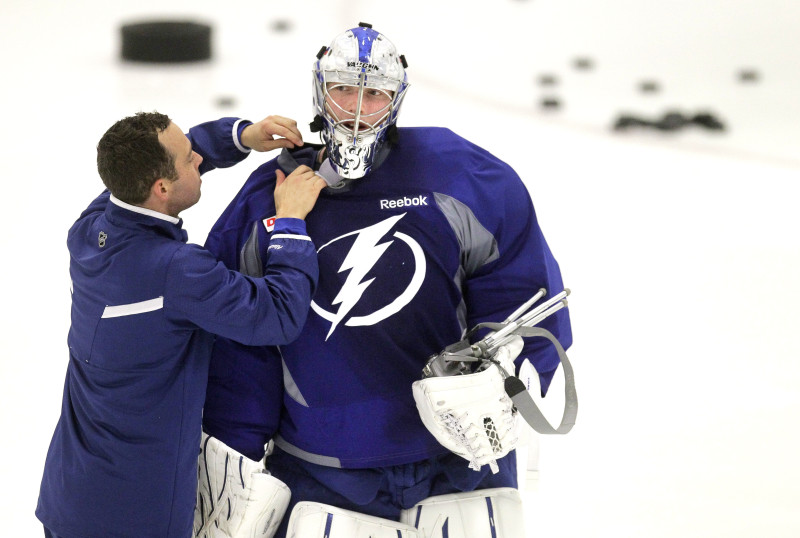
column 101, row 239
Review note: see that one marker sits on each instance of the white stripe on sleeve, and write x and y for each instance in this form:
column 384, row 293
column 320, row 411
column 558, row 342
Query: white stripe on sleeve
column 235, row 135
column 133, row 308
column 290, row 236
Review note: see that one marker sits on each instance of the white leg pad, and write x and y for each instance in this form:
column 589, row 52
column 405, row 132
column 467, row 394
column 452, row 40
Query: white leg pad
column 236, row 496
column 317, row 520
column 485, row 513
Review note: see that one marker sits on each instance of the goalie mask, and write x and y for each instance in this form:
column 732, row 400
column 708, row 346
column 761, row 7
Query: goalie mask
column 359, row 85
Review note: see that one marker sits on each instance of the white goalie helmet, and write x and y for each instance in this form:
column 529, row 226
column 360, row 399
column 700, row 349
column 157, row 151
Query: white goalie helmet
column 359, row 85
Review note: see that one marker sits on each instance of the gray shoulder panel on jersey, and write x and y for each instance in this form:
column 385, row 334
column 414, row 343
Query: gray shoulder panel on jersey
column 249, row 259
column 478, row 246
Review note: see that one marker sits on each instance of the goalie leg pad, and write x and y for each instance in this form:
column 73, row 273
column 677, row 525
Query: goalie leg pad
column 317, row 520
column 484, row 513
column 236, row 496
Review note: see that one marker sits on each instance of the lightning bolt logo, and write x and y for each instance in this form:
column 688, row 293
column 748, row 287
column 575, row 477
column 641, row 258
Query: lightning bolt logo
column 364, row 254
column 361, row 258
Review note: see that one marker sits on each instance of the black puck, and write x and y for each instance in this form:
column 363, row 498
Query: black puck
column 225, row 101
column 550, row 103
column 672, row 121
column 281, row 25
column 649, row 86
column 548, row 80
column 709, row 121
column 166, row 41
column 749, row 75
column 583, row 63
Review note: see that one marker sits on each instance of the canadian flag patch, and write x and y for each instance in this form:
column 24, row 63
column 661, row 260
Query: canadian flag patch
column 269, row 223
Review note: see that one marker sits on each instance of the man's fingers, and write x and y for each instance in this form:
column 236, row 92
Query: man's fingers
column 302, row 170
column 273, row 132
column 281, row 177
column 296, row 194
column 301, row 174
column 280, row 143
column 284, row 128
column 282, row 120
column 319, row 182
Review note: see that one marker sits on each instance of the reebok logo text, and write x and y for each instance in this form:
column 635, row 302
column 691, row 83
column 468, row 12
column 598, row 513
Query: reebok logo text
column 404, row 202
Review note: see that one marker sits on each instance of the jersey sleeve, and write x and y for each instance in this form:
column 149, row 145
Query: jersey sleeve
column 249, row 207
column 245, row 385
column 253, row 311
column 521, row 265
column 218, row 143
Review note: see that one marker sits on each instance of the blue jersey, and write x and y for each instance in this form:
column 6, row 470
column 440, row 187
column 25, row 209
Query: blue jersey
column 440, row 237
column 145, row 307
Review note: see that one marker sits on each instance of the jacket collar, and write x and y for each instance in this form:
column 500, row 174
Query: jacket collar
column 123, row 213
column 144, row 210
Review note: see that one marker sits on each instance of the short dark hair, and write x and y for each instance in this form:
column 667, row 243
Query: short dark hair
column 130, row 157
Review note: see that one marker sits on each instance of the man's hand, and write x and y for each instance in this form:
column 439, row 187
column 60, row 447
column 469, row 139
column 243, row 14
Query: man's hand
column 261, row 136
column 296, row 194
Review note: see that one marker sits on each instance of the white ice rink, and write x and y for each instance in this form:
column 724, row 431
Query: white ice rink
column 682, row 250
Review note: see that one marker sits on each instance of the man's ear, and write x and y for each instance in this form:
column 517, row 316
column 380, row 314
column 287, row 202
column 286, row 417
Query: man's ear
column 160, row 189
column 158, row 198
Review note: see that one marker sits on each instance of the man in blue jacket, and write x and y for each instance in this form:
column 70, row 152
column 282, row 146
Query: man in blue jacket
column 145, row 308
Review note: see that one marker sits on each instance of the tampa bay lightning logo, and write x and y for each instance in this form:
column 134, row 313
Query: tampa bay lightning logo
column 365, row 252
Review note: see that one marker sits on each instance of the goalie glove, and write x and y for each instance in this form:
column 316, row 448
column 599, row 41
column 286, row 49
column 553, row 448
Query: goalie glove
column 236, row 496
column 471, row 414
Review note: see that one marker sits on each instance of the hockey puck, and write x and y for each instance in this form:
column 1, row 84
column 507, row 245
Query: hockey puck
column 583, row 63
column 649, row 86
column 550, row 103
column 709, row 121
column 548, row 80
column 281, row 26
column 225, row 101
column 748, row 75
column 166, row 42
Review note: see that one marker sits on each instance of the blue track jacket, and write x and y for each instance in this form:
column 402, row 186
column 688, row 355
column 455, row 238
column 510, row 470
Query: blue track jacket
column 145, row 308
